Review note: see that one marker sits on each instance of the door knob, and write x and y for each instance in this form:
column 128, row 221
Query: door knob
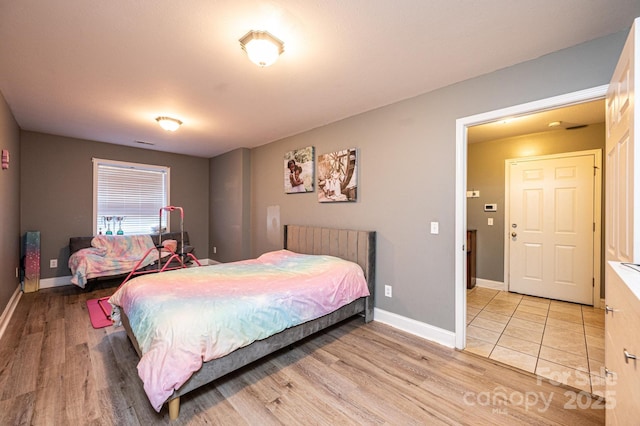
column 513, row 234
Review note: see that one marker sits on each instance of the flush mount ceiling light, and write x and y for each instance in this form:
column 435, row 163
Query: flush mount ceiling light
column 262, row 48
column 168, row 123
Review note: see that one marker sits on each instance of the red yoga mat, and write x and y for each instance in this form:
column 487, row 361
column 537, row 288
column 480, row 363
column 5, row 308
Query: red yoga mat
column 99, row 312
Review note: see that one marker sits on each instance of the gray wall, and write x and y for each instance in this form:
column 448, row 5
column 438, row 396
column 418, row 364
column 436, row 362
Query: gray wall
column 407, row 173
column 10, row 203
column 57, row 190
column 485, row 172
column 230, row 206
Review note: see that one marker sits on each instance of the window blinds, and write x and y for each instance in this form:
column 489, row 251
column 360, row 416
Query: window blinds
column 131, row 191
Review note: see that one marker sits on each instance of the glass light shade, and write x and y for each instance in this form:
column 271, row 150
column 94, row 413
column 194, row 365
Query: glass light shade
column 168, row 123
column 262, row 52
column 262, row 48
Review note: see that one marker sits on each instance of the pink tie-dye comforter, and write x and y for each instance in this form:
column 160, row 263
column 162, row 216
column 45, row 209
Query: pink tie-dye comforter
column 110, row 255
column 182, row 318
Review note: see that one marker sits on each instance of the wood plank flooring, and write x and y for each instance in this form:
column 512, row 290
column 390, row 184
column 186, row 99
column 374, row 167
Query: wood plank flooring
column 55, row 369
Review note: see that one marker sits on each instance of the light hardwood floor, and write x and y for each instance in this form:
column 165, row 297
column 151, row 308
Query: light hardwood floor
column 57, row 370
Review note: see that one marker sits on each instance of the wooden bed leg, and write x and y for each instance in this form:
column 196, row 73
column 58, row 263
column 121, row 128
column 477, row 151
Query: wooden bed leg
column 174, row 408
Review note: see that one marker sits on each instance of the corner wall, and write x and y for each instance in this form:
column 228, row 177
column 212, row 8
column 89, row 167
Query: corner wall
column 230, row 206
column 10, row 203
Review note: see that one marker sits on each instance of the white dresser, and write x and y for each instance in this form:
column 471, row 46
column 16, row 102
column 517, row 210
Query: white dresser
column 622, row 344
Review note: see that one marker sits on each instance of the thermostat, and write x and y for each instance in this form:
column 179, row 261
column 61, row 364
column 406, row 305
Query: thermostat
column 490, row 207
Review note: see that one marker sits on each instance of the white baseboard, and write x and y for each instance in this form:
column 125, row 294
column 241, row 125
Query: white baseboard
column 420, row 329
column 495, row 285
column 8, row 311
column 55, row 282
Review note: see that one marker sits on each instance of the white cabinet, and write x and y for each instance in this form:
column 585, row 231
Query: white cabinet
column 622, row 344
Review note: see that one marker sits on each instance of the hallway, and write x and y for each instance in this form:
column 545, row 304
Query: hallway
column 561, row 341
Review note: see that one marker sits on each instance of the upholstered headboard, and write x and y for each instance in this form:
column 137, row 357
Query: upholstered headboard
column 355, row 246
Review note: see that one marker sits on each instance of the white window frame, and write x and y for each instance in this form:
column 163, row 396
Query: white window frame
column 124, row 164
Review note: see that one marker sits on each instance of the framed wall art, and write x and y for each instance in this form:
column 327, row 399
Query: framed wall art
column 298, row 170
column 338, row 176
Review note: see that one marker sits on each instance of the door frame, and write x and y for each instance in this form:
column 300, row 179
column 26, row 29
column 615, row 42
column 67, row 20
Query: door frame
column 597, row 213
column 462, row 124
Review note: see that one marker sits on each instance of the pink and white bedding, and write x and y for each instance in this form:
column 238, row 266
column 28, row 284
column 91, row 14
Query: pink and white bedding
column 110, row 255
column 182, row 318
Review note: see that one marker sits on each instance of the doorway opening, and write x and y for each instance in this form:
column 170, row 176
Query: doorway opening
column 462, row 130
column 542, row 350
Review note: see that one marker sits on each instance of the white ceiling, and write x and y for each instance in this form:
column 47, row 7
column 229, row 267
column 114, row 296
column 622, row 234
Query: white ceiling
column 568, row 118
column 103, row 70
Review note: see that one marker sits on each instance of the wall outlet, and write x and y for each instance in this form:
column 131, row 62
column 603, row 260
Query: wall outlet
column 53, row 263
column 388, row 291
column 473, row 194
column 435, row 227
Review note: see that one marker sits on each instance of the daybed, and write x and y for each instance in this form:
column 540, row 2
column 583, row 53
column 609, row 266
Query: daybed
column 171, row 361
column 113, row 255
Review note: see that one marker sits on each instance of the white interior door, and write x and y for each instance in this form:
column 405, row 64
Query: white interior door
column 622, row 242
column 551, row 227
column 622, row 239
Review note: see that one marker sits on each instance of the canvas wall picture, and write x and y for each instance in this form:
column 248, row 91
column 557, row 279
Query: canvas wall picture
column 298, row 170
column 338, row 176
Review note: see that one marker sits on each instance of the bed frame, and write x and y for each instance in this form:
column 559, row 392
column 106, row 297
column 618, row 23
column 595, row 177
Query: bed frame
column 355, row 246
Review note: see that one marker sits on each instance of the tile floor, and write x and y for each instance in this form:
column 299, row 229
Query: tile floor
column 561, row 341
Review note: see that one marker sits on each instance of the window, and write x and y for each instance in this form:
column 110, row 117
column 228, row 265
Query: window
column 127, row 197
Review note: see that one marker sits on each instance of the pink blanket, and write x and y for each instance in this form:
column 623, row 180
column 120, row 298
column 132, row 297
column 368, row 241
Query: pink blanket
column 110, row 255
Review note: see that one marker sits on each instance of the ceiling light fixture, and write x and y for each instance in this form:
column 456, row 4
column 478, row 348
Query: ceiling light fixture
column 262, row 48
column 555, row 123
column 168, row 123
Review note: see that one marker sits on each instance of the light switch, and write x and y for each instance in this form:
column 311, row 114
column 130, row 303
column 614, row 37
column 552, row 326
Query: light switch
column 435, row 228
column 490, row 221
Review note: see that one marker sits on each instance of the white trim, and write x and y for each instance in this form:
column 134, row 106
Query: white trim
column 461, row 185
column 494, row 285
column 55, row 282
column 9, row 310
column 420, row 329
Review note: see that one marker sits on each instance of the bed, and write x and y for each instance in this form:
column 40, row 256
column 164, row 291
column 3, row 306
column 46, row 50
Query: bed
column 107, row 256
column 329, row 246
